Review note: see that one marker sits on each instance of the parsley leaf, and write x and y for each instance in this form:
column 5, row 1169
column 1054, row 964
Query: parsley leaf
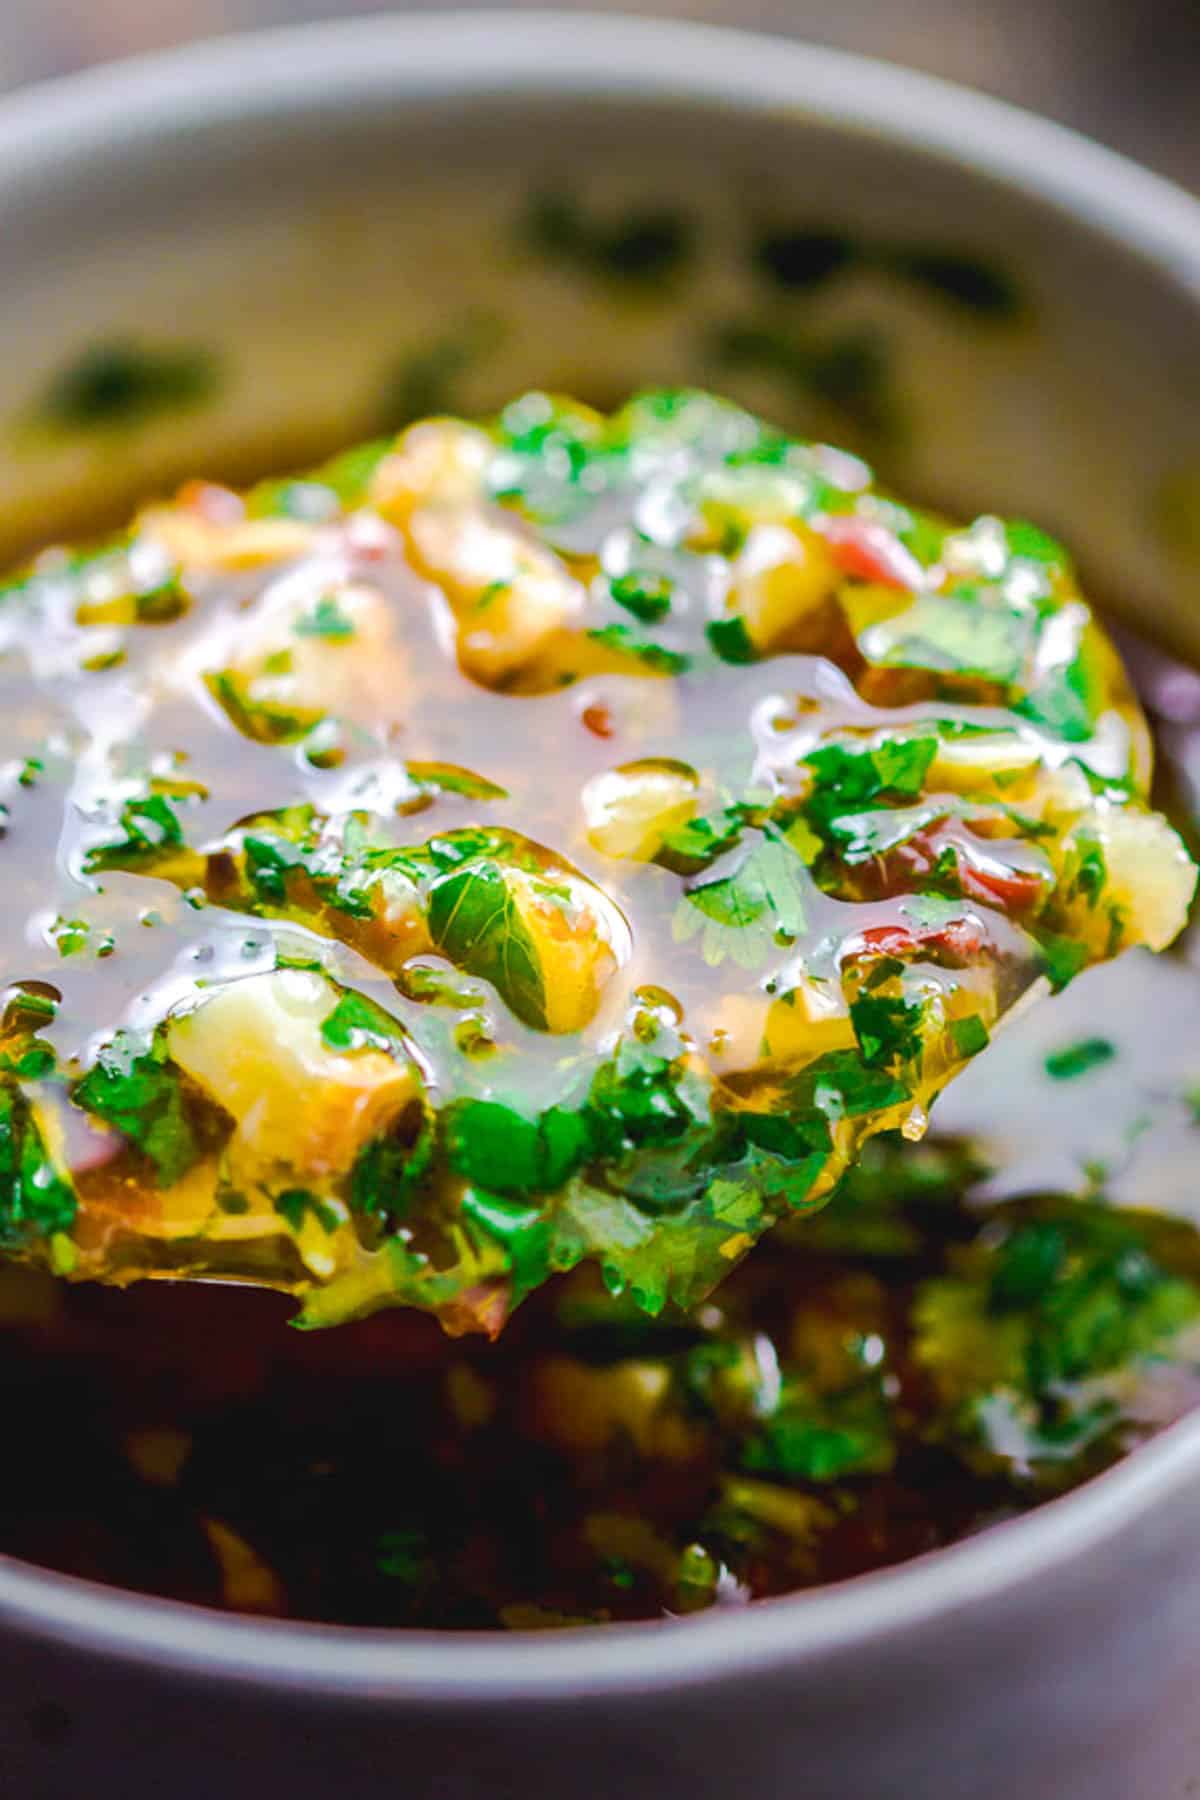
column 357, row 1023
column 123, row 383
column 731, row 640
column 326, row 620
column 826, row 1437
column 655, row 656
column 888, row 1029
column 35, row 1200
column 848, row 776
column 475, row 921
column 646, row 596
column 1079, row 1058
column 745, row 915
column 495, row 1147
column 141, row 1093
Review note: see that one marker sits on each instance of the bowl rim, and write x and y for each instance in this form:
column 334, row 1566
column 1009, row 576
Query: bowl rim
column 51, row 129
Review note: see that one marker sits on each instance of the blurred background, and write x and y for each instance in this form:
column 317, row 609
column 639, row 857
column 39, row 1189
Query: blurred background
column 1125, row 71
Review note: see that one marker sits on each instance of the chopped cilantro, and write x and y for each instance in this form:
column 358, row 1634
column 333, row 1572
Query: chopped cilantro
column 800, row 260
column 746, row 914
column 357, row 1023
column 647, row 597
column 141, row 1093
column 731, row 640
column 645, row 247
column 450, row 779
column 1079, row 1058
column 848, row 775
column 388, row 1172
column 151, row 823
column 522, row 1231
column 977, row 286
column 474, row 919
column 1034, row 545
column 425, row 382
column 72, row 937
column 655, row 656
column 1050, row 1300
column 296, row 1204
column 495, row 1147
column 326, row 620
column 888, row 1029
column 35, row 1199
column 822, row 1438
column 125, row 383
column 403, row 1554
column 1062, row 957
column 966, row 632
column 969, row 1036
column 698, row 842
column 162, row 604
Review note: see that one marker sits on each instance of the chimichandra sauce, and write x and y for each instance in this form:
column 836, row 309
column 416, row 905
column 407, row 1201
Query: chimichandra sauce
column 554, row 848
column 516, row 846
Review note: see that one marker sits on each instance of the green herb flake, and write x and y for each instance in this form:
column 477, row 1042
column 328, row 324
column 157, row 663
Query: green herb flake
column 1079, row 1058
column 823, row 1438
column 403, row 1555
column 800, row 260
column 1062, row 957
column 476, row 923
column 655, row 656
column 969, row 1036
column 731, row 640
column 326, row 620
column 357, row 1023
column 968, row 282
column 647, row 597
column 888, row 1029
column 36, row 1201
column 645, row 248
column 121, row 383
column 141, row 1094
column 746, row 914
column 296, row 1204
column 426, row 381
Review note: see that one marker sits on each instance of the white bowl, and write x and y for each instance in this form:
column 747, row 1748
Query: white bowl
column 313, row 205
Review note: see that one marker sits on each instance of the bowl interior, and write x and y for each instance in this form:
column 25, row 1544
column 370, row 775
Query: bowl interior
column 334, row 263
column 348, row 241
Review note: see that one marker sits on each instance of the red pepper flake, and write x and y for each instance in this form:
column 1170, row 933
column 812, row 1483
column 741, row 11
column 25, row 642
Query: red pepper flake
column 881, row 940
column 957, row 943
column 1015, row 891
column 870, row 552
column 598, row 720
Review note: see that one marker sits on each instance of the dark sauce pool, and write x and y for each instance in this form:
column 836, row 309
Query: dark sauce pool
column 908, row 1369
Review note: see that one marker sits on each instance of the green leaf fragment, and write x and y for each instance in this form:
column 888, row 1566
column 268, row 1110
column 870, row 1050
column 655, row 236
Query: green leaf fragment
column 475, row 921
column 658, row 657
column 357, row 1023
column 141, row 1093
column 326, row 620
column 888, row 1029
column 123, row 383
column 747, row 914
column 731, row 640
column 37, row 1203
column 1079, row 1058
